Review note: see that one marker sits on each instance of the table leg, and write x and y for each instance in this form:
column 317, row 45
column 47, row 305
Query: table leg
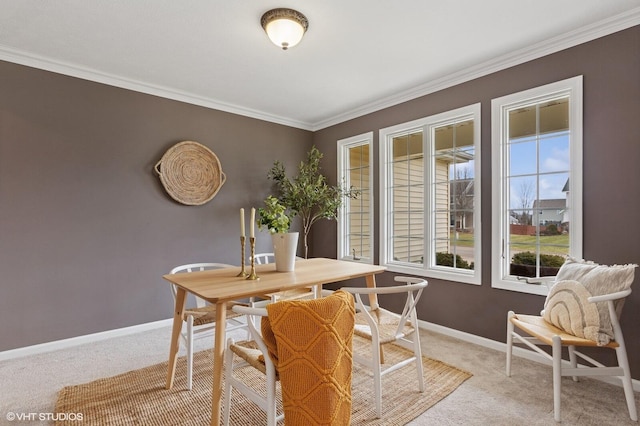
column 181, row 297
column 373, row 298
column 218, row 361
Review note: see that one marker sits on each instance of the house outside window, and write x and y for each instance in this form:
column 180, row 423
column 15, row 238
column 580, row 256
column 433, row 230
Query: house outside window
column 430, row 201
column 355, row 218
column 536, row 183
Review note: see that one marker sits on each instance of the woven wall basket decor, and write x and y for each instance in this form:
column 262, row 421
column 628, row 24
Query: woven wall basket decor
column 191, row 173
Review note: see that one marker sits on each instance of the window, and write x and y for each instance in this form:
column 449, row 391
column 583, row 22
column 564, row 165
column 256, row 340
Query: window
column 537, row 183
column 430, row 203
column 355, row 225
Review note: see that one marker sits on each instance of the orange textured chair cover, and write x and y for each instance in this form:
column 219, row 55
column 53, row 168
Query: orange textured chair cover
column 313, row 352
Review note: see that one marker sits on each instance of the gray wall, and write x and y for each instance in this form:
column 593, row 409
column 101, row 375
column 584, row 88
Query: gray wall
column 86, row 228
column 611, row 69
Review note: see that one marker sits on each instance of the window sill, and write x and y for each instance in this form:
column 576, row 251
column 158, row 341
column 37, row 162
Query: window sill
column 365, row 260
column 470, row 278
column 521, row 287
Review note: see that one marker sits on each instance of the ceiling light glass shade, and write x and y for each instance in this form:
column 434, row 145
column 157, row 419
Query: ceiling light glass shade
column 285, row 27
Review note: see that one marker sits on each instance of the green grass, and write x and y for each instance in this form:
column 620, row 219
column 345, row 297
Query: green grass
column 553, row 244
column 465, row 239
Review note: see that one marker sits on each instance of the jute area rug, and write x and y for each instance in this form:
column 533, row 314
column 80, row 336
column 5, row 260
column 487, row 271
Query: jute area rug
column 139, row 398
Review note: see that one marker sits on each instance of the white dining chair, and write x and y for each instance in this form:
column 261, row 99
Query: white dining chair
column 199, row 320
column 382, row 326
column 322, row 326
column 252, row 353
column 263, row 258
column 581, row 313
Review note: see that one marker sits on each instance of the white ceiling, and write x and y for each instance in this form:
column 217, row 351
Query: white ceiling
column 357, row 56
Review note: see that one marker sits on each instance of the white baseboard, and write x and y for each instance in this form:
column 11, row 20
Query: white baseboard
column 96, row 337
column 502, row 347
column 81, row 340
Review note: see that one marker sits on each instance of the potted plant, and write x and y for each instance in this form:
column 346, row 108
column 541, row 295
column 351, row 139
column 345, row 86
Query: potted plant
column 273, row 216
column 308, row 195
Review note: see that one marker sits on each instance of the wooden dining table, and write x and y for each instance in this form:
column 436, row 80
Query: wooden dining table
column 221, row 286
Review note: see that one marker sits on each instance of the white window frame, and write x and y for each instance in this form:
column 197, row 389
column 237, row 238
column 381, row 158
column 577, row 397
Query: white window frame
column 426, row 124
column 500, row 107
column 343, row 223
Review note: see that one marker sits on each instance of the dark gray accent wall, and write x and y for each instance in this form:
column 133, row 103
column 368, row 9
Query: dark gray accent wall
column 87, row 231
column 86, row 228
column 611, row 70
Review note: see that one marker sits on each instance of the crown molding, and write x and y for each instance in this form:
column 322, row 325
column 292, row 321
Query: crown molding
column 573, row 38
column 72, row 70
column 555, row 44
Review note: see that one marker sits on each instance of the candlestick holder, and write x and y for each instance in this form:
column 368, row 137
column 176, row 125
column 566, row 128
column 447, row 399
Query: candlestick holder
column 252, row 274
column 242, row 273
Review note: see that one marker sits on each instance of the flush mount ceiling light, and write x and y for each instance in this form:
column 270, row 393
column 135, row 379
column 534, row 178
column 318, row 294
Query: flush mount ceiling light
column 285, row 27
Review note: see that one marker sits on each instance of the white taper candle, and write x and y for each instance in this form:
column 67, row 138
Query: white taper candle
column 242, row 222
column 253, row 221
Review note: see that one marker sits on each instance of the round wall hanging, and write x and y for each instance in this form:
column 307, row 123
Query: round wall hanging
column 191, row 173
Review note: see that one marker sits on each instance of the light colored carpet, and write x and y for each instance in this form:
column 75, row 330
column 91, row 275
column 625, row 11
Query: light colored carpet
column 139, row 398
column 30, row 384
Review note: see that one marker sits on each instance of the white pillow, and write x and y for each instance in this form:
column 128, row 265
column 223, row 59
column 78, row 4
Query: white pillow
column 567, row 307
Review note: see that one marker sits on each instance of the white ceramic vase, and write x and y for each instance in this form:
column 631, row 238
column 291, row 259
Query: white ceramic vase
column 285, row 247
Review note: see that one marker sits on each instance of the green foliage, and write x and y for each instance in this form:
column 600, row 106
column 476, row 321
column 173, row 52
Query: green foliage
column 308, row 194
column 446, row 259
column 552, row 229
column 529, row 258
column 273, row 216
